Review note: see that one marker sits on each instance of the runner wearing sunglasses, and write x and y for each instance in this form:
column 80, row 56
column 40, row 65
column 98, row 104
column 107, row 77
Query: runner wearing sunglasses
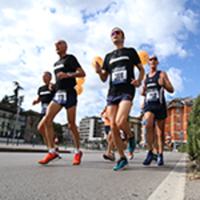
column 119, row 64
column 153, row 88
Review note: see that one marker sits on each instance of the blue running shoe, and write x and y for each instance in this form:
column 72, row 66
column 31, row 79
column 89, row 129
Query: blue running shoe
column 160, row 160
column 131, row 143
column 148, row 159
column 121, row 164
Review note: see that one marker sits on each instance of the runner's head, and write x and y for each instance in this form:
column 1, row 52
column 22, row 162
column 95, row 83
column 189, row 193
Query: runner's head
column 117, row 36
column 61, row 47
column 46, row 77
column 153, row 62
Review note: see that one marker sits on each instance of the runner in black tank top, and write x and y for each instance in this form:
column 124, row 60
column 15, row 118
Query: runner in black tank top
column 119, row 64
column 155, row 107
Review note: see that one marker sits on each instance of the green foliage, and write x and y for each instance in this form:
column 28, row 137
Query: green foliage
column 5, row 100
column 182, row 148
column 193, row 131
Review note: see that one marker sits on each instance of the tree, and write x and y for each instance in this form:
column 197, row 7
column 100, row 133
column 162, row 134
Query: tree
column 193, row 132
column 5, row 100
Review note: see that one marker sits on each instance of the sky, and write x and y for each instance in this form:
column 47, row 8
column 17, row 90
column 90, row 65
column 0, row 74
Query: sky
column 169, row 29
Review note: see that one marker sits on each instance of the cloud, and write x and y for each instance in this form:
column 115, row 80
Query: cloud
column 29, row 30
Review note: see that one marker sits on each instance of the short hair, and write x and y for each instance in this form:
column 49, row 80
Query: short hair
column 65, row 43
column 48, row 73
column 118, row 29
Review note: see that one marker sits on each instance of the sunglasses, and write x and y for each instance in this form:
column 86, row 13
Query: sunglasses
column 117, row 32
column 154, row 58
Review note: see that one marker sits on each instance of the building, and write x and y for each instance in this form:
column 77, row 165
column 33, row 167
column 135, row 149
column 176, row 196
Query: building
column 178, row 111
column 91, row 128
column 8, row 122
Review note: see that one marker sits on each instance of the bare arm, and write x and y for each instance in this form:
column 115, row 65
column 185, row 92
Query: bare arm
column 79, row 73
column 165, row 82
column 103, row 111
column 37, row 100
column 143, row 90
column 102, row 73
column 136, row 83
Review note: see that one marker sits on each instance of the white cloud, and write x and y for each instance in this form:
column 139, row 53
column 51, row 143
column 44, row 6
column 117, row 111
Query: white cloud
column 30, row 28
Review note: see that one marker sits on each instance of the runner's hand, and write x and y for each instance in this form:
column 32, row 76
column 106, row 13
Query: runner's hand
column 51, row 86
column 97, row 67
column 136, row 83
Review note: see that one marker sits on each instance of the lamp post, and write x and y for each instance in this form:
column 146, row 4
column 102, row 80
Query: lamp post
column 21, row 99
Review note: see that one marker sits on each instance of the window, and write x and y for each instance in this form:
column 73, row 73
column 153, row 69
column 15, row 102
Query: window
column 178, row 126
column 178, row 117
column 177, row 110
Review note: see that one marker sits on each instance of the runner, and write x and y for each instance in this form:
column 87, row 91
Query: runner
column 66, row 69
column 169, row 141
column 119, row 64
column 155, row 107
column 45, row 95
column 111, row 148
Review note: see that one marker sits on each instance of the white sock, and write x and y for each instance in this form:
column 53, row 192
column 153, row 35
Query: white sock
column 77, row 151
column 51, row 150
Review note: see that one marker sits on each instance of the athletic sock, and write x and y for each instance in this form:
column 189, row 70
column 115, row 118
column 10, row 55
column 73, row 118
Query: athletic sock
column 112, row 152
column 52, row 151
column 77, row 151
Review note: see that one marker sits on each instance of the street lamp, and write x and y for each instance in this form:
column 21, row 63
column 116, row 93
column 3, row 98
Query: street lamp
column 21, row 99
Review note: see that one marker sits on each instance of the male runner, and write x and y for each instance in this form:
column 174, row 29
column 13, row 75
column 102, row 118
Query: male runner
column 66, row 69
column 45, row 95
column 111, row 148
column 119, row 64
column 155, row 107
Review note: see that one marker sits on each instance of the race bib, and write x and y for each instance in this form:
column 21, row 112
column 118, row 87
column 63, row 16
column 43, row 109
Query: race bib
column 44, row 108
column 61, row 97
column 119, row 75
column 152, row 96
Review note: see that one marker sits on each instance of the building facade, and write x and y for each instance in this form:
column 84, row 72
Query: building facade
column 178, row 111
column 91, row 128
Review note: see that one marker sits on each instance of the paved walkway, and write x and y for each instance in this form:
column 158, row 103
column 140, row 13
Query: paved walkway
column 189, row 191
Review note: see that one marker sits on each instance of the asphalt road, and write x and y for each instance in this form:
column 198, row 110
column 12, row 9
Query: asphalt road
column 21, row 177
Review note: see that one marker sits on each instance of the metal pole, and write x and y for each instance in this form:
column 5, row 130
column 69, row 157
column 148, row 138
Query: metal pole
column 21, row 98
column 16, row 121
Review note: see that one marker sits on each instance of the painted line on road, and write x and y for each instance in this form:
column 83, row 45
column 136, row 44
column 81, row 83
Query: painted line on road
column 172, row 188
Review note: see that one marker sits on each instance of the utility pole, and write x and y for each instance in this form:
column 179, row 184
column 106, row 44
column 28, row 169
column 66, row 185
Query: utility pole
column 21, row 99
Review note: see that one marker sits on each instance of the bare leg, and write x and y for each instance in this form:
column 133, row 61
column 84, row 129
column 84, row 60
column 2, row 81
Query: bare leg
column 149, row 129
column 160, row 125
column 112, row 113
column 41, row 129
column 122, row 116
column 52, row 110
column 71, row 116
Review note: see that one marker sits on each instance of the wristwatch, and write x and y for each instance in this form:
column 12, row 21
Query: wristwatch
column 140, row 82
column 69, row 74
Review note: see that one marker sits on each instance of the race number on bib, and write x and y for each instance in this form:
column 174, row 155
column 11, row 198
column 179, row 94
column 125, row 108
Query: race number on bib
column 153, row 96
column 119, row 76
column 61, row 97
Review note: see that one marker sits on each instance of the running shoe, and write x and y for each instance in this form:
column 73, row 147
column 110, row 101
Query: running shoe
column 49, row 157
column 109, row 157
column 160, row 160
column 155, row 157
column 130, row 156
column 121, row 164
column 77, row 158
column 148, row 159
column 131, row 143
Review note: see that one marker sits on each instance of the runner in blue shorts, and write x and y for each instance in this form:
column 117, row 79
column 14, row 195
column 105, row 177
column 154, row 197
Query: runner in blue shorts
column 66, row 69
column 119, row 64
column 153, row 88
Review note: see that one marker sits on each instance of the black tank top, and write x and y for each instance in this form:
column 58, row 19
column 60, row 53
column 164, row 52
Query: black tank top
column 154, row 92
